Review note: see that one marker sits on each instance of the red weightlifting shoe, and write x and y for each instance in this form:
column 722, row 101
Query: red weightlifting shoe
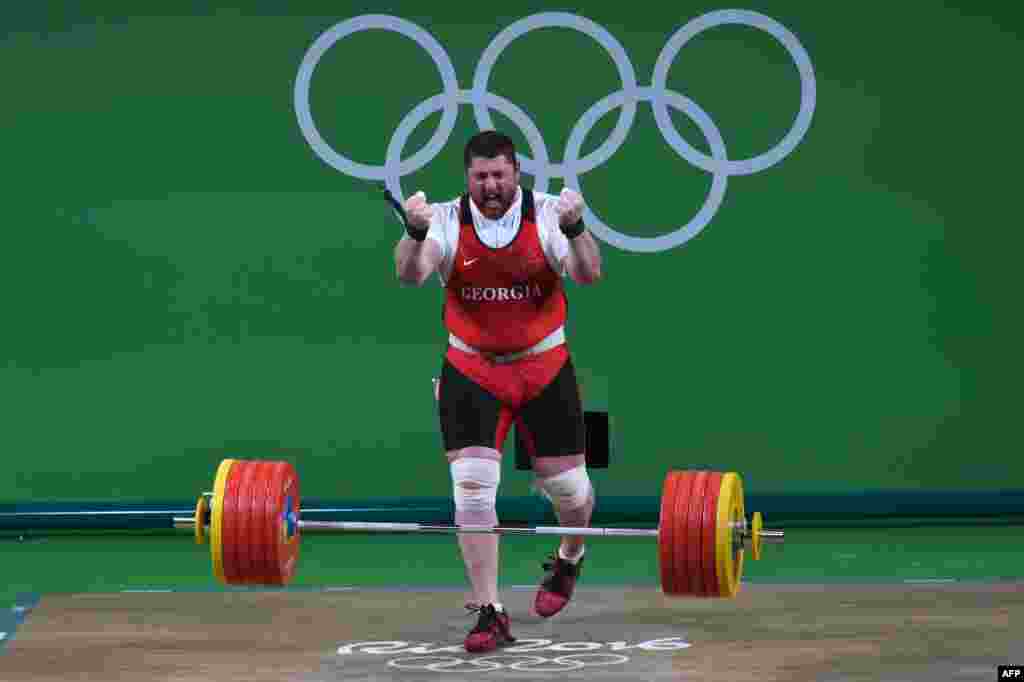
column 491, row 631
column 556, row 589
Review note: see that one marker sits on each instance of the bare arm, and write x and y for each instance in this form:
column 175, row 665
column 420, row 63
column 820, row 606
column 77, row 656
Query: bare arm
column 584, row 260
column 416, row 261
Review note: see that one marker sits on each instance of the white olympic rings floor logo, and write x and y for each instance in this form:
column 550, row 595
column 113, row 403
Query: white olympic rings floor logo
column 539, row 165
column 520, row 662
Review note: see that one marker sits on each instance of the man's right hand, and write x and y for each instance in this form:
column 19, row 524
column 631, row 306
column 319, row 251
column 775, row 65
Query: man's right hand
column 418, row 212
column 417, row 258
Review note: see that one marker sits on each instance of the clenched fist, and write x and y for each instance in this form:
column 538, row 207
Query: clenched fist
column 569, row 207
column 418, row 212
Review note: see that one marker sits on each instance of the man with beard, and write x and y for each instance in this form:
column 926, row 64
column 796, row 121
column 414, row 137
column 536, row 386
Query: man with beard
column 501, row 252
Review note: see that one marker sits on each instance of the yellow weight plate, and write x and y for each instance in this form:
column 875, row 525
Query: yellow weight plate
column 740, row 518
column 755, row 540
column 202, row 510
column 728, row 559
column 723, row 539
column 216, row 518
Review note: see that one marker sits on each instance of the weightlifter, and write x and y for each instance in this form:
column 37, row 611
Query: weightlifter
column 501, row 252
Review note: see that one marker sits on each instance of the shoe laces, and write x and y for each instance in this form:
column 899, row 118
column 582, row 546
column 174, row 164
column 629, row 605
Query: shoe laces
column 551, row 563
column 488, row 616
column 558, row 570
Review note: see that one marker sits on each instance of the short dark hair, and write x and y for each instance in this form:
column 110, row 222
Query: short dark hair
column 490, row 144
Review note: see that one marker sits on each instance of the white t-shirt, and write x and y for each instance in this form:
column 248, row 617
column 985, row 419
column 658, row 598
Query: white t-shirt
column 444, row 229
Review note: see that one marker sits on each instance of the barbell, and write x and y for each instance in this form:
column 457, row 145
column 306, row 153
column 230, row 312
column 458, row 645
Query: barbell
column 251, row 520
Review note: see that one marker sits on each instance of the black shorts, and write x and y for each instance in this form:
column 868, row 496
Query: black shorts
column 552, row 423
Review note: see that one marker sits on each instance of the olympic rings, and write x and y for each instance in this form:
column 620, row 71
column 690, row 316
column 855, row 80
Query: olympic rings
column 572, row 166
column 523, row 663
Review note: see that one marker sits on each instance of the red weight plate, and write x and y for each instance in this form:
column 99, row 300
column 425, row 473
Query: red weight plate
column 284, row 551
column 296, row 511
column 292, row 547
column 680, row 576
column 271, row 522
column 680, row 538
column 242, row 526
column 244, row 530
column 230, row 523
column 246, row 550
column 254, row 546
column 694, row 508
column 666, row 527
column 261, row 530
column 708, row 524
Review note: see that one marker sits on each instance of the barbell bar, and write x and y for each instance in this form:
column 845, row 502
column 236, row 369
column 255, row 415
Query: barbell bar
column 252, row 521
column 768, row 536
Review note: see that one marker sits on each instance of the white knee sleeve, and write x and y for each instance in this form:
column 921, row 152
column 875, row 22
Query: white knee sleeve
column 482, row 477
column 568, row 490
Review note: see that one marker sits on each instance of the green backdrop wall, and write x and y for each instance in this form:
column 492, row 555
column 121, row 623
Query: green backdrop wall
column 185, row 279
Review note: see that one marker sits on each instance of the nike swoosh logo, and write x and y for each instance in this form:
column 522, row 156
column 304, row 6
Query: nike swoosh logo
column 467, row 263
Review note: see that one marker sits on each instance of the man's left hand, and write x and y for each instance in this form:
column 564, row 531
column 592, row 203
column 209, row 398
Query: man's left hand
column 569, row 207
